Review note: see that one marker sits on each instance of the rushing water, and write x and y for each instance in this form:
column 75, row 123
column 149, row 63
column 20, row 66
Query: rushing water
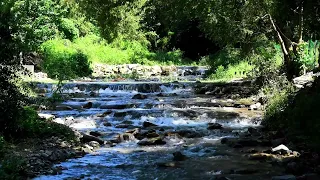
column 176, row 108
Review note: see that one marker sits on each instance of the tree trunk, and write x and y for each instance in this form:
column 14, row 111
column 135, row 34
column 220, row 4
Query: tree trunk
column 285, row 51
column 301, row 23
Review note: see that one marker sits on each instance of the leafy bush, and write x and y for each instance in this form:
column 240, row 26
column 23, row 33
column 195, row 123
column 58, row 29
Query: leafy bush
column 13, row 168
column 32, row 126
column 295, row 114
column 227, row 56
column 308, row 56
column 240, row 70
column 63, row 62
column 119, row 52
column 11, row 101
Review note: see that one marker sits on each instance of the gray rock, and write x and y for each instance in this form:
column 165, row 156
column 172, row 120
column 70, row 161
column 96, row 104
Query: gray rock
column 94, row 144
column 88, row 138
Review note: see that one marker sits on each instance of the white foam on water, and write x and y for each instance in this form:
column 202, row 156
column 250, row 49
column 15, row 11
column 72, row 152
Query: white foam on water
column 108, row 91
column 169, row 121
column 83, row 123
column 240, row 123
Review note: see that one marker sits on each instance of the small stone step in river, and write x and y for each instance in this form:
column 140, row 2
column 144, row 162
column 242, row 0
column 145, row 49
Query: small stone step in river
column 155, row 131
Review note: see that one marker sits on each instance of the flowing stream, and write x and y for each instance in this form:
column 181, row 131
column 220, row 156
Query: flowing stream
column 172, row 107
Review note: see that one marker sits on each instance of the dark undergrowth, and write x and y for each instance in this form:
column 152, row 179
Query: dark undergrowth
column 296, row 115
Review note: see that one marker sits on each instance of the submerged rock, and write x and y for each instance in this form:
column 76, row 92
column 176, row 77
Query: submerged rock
column 148, row 124
column 105, row 113
column 167, row 164
column 63, row 108
column 122, row 126
column 107, row 124
column 139, row 96
column 95, row 133
column 212, row 126
column 88, row 105
column 244, row 171
column 286, row 177
column 151, row 141
column 185, row 133
column 178, row 156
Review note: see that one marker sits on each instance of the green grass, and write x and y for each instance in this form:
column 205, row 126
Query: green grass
column 232, row 71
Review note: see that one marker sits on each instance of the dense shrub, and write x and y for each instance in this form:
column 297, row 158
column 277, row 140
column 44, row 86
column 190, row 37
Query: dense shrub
column 63, row 62
column 32, row 126
column 240, row 70
column 12, row 168
column 120, row 51
column 11, row 101
column 296, row 114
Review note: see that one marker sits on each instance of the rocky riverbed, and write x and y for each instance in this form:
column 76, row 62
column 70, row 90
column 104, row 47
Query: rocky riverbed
column 169, row 131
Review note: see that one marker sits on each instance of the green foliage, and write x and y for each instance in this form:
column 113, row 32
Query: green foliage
column 63, row 62
column 240, row 70
column 13, row 168
column 2, row 146
column 117, row 18
column 308, row 54
column 99, row 51
column 32, row 126
column 295, row 114
column 267, row 60
column 69, row 29
column 35, row 21
column 225, row 57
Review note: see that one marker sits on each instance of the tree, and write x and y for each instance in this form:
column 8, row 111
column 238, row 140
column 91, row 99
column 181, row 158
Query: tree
column 24, row 25
column 117, row 18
